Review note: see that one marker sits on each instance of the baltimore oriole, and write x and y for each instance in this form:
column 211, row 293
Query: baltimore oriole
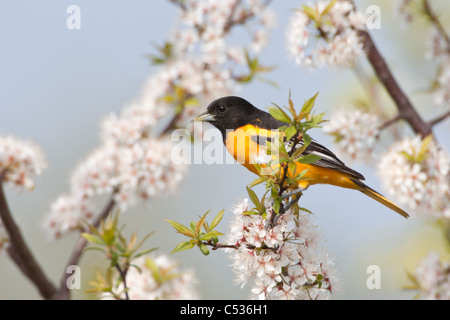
column 245, row 130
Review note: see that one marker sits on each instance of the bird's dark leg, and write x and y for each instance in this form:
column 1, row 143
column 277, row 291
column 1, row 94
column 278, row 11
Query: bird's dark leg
column 284, row 207
column 292, row 193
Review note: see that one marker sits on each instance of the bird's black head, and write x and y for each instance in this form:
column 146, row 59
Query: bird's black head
column 229, row 113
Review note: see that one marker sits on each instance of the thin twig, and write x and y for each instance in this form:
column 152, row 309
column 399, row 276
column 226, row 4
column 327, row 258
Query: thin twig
column 123, row 275
column 390, row 122
column 283, row 188
column 436, row 22
column 439, row 119
column 77, row 252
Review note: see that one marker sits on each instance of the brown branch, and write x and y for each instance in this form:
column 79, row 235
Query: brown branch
column 439, row 119
column 20, row 252
column 123, row 276
column 436, row 22
column 283, row 188
column 406, row 110
column 77, row 252
column 390, row 122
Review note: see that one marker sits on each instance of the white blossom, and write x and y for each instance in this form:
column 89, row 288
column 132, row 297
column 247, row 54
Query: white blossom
column 433, row 277
column 403, row 13
column 20, row 161
column 418, row 177
column 329, row 38
column 355, row 133
column 131, row 163
column 66, row 214
column 441, row 90
column 285, row 262
column 132, row 173
column 159, row 278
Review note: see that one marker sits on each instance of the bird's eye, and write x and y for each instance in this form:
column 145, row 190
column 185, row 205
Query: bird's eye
column 222, row 109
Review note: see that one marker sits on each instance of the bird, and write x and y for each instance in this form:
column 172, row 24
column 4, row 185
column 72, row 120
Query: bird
column 246, row 129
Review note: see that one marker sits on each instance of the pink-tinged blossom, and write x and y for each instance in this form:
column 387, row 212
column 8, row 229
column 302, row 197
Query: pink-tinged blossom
column 67, row 214
column 418, row 177
column 158, row 278
column 325, row 36
column 20, row 161
column 403, row 13
column 132, row 173
column 285, row 262
column 433, row 278
column 354, row 133
column 133, row 162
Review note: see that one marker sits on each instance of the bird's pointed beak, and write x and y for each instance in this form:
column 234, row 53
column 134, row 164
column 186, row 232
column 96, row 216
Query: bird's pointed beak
column 205, row 116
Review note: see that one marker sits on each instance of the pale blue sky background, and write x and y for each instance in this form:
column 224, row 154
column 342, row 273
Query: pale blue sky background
column 57, row 84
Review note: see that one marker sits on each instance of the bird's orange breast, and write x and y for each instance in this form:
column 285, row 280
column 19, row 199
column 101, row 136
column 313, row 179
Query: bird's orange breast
column 241, row 144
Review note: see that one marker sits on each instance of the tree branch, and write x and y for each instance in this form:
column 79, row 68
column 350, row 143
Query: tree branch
column 436, row 22
column 20, row 252
column 439, row 119
column 64, row 291
column 406, row 110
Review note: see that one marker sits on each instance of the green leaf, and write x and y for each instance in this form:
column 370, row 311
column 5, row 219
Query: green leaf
column 256, row 182
column 109, row 236
column 328, row 7
column 290, row 132
column 144, row 252
column 279, row 114
column 422, row 154
column 93, row 239
column 254, row 198
column 310, row 12
column 305, row 210
column 309, row 104
column 185, row 245
column 198, row 226
column 153, row 267
column 276, row 206
column 250, row 212
column 210, row 235
column 181, row 229
column 407, row 156
column 94, row 248
column 309, row 158
column 306, row 139
column 217, row 219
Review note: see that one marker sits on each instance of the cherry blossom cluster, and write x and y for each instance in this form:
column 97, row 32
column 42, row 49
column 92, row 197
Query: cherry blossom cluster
column 284, row 262
column 325, row 33
column 132, row 163
column 19, row 162
column 438, row 46
column 439, row 52
column 132, row 173
column 158, row 278
column 355, row 133
column 433, row 278
column 418, row 176
column 203, row 60
column 403, row 12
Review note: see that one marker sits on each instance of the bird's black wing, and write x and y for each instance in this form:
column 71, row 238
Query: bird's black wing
column 328, row 159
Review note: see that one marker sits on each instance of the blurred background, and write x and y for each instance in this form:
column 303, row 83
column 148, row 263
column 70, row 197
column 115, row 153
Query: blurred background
column 56, row 85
